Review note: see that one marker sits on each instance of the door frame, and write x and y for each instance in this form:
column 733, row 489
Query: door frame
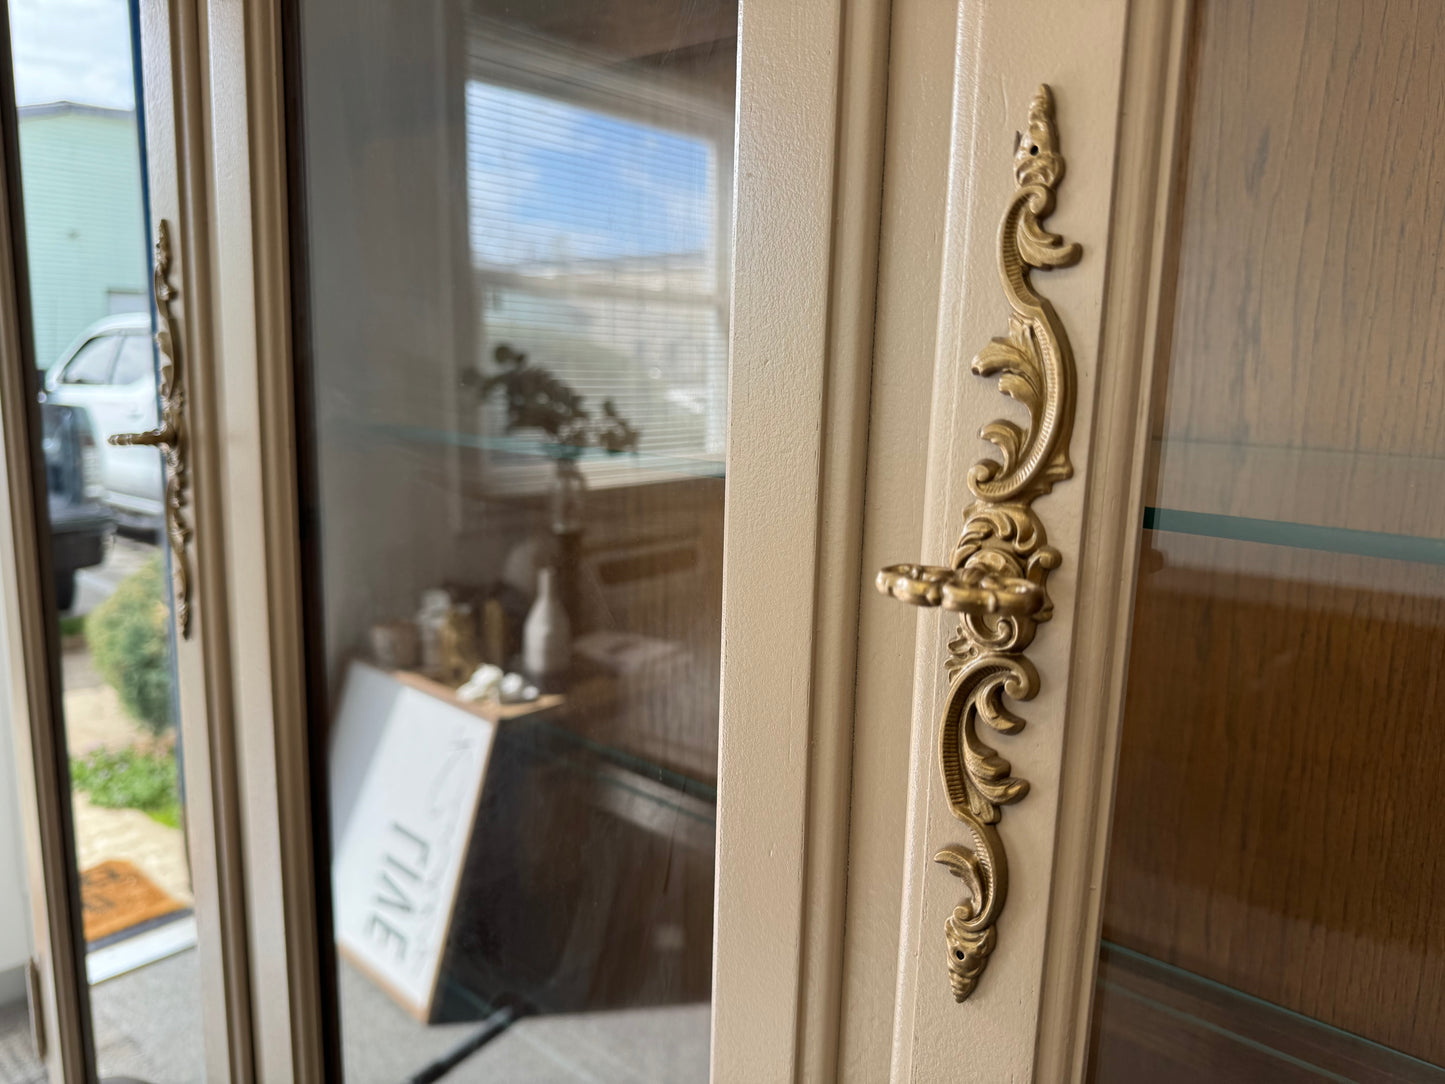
column 169, row 58
column 173, row 61
column 243, row 156
column 812, row 81
column 1116, row 67
column 30, row 630
column 1136, row 327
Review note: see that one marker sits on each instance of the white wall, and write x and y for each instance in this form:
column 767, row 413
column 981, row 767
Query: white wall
column 390, row 279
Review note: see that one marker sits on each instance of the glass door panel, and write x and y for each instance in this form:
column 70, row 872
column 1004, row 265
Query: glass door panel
column 88, row 333
column 515, row 275
column 1278, row 853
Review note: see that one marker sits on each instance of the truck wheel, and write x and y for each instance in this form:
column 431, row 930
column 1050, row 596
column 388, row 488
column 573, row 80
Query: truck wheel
column 65, row 589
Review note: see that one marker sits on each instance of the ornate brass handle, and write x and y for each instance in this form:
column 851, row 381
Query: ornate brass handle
column 968, row 590
column 997, row 575
column 170, row 435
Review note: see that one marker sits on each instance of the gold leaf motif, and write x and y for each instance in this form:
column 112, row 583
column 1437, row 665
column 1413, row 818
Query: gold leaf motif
column 1003, row 554
column 170, row 436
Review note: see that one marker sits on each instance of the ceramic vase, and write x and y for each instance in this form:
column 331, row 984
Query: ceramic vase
column 546, row 634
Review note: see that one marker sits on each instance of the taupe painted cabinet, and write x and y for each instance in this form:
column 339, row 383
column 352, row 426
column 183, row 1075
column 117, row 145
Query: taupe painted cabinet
column 802, row 247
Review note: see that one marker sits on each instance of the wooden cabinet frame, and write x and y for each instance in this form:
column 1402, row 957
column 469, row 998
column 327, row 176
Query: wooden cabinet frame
column 798, row 850
column 172, row 60
column 283, row 899
column 1135, row 332
column 870, row 143
column 960, row 80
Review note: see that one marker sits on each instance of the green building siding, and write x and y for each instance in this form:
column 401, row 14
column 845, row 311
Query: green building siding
column 84, row 233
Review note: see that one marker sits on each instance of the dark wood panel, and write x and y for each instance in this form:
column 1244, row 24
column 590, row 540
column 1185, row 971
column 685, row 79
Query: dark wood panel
column 1279, row 821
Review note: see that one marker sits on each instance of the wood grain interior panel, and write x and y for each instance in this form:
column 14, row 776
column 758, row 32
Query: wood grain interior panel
column 1310, row 296
column 1278, row 820
column 1278, row 823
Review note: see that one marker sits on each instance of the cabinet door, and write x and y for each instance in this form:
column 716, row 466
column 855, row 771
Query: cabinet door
column 1236, row 711
column 543, row 343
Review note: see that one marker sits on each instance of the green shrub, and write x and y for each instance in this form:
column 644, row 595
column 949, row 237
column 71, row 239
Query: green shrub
column 129, row 636
column 130, row 779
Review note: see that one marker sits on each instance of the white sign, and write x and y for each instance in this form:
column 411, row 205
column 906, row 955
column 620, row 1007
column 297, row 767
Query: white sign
column 406, row 777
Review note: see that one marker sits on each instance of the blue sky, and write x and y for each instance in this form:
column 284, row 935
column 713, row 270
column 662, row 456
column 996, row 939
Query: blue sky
column 76, row 50
column 549, row 180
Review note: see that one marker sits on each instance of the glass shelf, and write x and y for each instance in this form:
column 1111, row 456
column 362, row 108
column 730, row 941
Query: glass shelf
column 648, row 769
column 1377, row 544
column 652, row 781
column 1242, row 1036
column 533, row 451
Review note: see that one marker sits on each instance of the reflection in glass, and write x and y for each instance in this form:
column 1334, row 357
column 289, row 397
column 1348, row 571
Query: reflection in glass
column 516, row 268
column 85, row 235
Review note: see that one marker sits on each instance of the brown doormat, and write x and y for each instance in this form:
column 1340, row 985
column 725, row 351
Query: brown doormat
column 116, row 896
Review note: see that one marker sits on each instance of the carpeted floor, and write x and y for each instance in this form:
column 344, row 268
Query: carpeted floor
column 381, row 1044
column 17, row 1055
column 667, row 1045
column 147, row 1026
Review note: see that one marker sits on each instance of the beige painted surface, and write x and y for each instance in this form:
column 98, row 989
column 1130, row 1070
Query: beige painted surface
column 803, row 323
column 920, row 91
column 247, row 141
column 15, row 933
column 939, row 302
column 172, row 72
column 803, row 244
column 838, row 583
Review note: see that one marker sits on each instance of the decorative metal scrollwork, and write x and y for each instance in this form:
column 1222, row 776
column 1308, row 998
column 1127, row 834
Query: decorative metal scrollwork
column 170, row 435
column 997, row 575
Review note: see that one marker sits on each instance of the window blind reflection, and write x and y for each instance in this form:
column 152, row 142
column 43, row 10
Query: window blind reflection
column 594, row 223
